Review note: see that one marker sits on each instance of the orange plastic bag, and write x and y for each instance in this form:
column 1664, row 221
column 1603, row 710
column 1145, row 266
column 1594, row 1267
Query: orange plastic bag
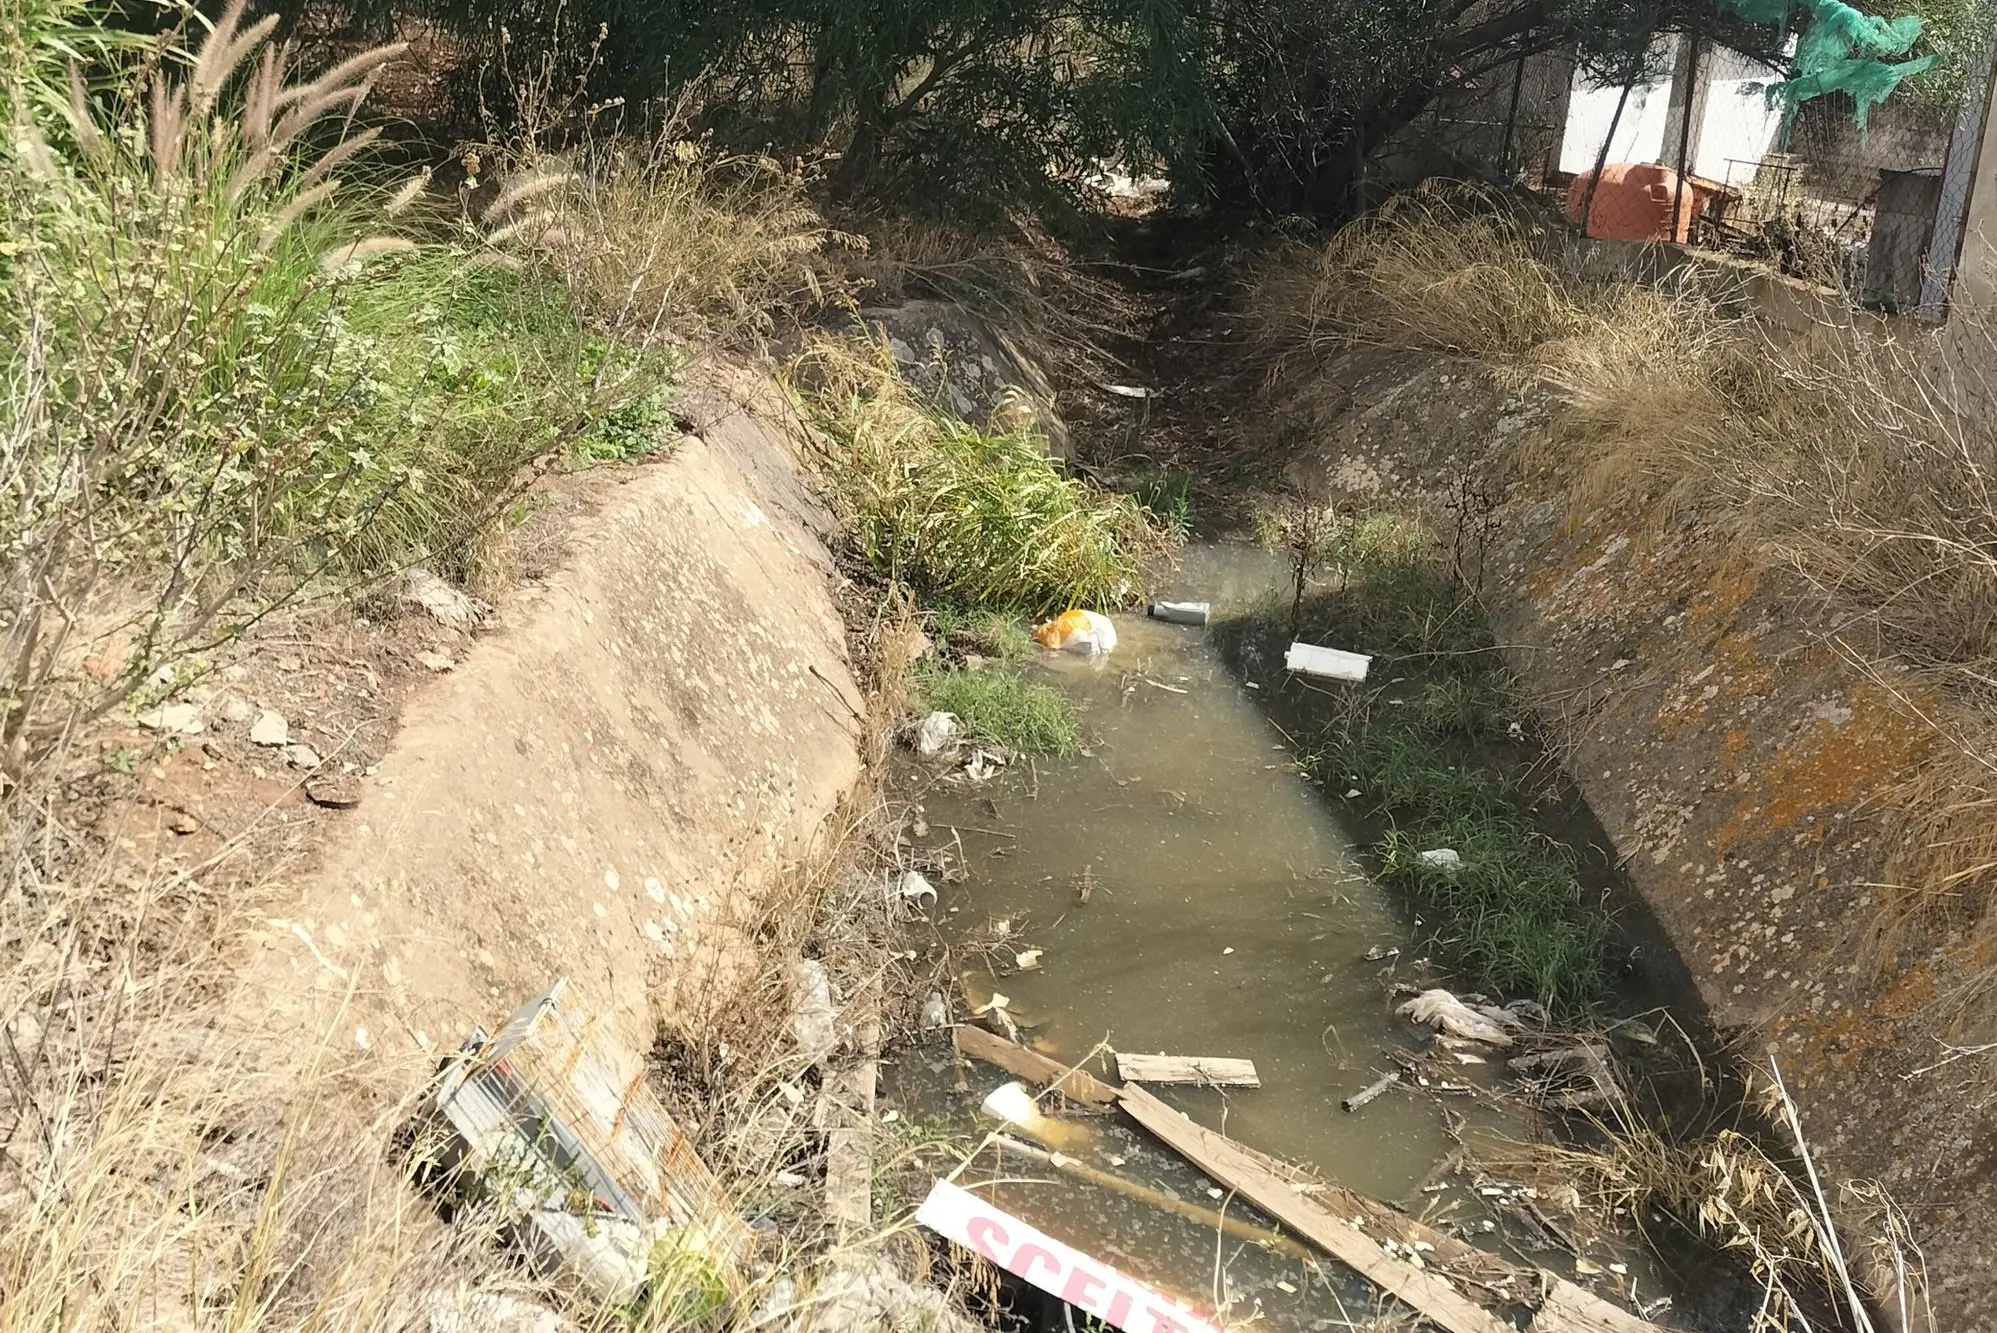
column 1078, row 632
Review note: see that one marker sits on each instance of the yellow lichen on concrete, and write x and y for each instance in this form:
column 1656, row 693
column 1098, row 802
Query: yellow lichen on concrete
column 1842, row 756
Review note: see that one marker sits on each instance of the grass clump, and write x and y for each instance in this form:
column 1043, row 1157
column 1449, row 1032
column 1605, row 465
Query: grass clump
column 1440, row 269
column 966, row 518
column 986, row 633
column 1000, row 706
column 1423, row 750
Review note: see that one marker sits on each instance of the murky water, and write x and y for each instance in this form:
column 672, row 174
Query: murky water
column 1225, row 915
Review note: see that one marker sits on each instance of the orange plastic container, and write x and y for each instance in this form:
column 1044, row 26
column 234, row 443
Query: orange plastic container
column 1633, row 203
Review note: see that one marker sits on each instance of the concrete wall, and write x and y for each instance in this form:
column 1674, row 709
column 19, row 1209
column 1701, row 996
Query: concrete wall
column 1738, row 763
column 604, row 788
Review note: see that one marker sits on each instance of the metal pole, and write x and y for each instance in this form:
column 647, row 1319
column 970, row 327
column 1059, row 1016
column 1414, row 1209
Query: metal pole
column 1602, row 158
column 1512, row 120
column 1685, row 131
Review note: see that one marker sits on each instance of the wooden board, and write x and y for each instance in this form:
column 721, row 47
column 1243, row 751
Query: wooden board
column 1426, row 1292
column 1571, row 1309
column 978, row 1044
column 1202, row 1069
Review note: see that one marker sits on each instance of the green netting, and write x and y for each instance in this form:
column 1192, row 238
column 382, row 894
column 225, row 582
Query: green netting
column 1841, row 50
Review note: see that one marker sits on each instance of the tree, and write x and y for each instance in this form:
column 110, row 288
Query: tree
column 954, row 103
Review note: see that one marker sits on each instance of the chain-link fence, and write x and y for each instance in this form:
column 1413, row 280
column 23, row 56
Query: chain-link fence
column 1694, row 151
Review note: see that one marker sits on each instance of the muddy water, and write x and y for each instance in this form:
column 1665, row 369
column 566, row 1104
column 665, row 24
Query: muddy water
column 1226, row 914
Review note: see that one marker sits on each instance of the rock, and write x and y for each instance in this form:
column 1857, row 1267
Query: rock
column 814, row 1022
column 26, row 1031
column 430, row 661
column 174, row 719
column 936, row 733
column 858, row 1293
column 237, row 709
column 183, row 823
column 446, row 605
column 336, row 792
column 935, row 1013
column 300, row 756
column 270, row 729
column 487, row 1312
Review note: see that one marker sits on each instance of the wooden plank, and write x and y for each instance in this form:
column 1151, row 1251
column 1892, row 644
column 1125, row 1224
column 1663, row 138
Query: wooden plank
column 1571, row 1309
column 1428, row 1293
column 1202, row 1069
column 978, row 1044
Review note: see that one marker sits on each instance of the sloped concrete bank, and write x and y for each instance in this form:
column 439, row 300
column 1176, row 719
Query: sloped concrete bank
column 1736, row 759
column 608, row 785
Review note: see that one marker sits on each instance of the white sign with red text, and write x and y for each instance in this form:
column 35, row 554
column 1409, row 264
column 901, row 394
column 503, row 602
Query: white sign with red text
column 1082, row 1282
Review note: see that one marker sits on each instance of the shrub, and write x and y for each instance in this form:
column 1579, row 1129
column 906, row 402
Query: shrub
column 963, row 516
column 219, row 387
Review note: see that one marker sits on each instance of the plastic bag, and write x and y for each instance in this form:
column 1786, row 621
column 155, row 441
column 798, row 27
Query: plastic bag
column 1078, row 632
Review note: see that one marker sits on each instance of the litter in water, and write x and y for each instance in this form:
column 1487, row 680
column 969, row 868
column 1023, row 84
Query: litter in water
column 1181, row 613
column 1335, row 663
column 936, row 733
column 1087, row 1284
column 1085, row 632
column 1198, row 1069
column 1439, row 1009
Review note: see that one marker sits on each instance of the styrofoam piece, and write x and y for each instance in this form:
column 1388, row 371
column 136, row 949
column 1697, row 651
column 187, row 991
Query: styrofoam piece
column 1333, row 662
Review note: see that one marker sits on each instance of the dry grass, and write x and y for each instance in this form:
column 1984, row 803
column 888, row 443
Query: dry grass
column 667, row 240
column 1727, row 1187
column 1020, row 282
column 1434, row 269
column 1858, row 461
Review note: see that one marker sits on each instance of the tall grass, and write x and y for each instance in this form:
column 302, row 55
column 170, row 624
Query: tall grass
column 225, row 382
column 668, row 241
column 966, row 517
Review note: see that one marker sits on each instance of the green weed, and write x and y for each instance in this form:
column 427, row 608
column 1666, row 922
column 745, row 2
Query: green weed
column 1000, row 706
column 1167, row 492
column 1510, row 919
column 987, row 633
column 965, row 517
